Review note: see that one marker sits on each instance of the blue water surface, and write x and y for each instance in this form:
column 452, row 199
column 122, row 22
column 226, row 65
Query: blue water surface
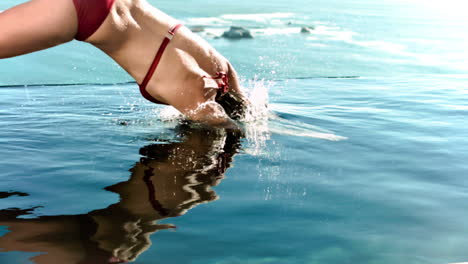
column 362, row 159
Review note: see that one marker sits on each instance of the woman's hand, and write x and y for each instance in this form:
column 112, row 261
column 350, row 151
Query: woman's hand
column 211, row 113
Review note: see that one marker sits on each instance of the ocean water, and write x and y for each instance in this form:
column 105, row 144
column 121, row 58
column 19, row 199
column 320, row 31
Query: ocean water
column 360, row 156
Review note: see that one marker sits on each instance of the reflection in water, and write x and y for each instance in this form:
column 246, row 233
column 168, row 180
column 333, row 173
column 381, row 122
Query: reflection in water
column 170, row 179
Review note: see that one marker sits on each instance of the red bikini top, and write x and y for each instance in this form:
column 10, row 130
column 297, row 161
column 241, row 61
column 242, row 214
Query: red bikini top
column 91, row 14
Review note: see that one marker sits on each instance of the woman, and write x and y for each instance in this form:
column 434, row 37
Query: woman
column 171, row 64
column 173, row 176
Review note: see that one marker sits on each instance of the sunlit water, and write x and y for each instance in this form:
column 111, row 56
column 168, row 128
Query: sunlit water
column 358, row 157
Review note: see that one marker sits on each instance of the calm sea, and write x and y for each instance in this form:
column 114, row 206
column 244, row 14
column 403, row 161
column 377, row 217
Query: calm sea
column 360, row 157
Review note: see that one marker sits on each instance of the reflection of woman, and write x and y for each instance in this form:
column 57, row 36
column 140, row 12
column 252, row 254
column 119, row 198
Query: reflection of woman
column 185, row 71
column 172, row 178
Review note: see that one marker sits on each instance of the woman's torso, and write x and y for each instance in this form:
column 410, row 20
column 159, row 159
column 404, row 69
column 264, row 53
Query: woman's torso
column 132, row 33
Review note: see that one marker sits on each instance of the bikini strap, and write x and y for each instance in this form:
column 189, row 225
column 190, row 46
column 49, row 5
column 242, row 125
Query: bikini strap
column 170, row 34
column 222, row 80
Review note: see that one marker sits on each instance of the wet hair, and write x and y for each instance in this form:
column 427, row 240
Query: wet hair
column 233, row 105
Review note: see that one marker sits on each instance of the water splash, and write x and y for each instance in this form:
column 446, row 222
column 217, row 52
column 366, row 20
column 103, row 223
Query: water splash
column 256, row 118
column 261, row 120
column 168, row 114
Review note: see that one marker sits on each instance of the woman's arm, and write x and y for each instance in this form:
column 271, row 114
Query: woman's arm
column 211, row 113
column 36, row 25
column 196, row 104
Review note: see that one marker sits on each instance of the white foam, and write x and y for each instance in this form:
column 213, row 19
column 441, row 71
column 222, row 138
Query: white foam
column 169, row 113
column 277, row 22
column 257, row 91
column 457, row 107
column 301, row 130
column 347, row 36
column 317, row 45
column 213, row 32
column 207, row 21
column 323, row 31
column 260, row 31
column 334, row 33
column 276, row 31
column 227, row 19
column 381, row 45
column 262, row 17
column 261, row 122
column 321, row 23
column 294, row 128
column 256, row 120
